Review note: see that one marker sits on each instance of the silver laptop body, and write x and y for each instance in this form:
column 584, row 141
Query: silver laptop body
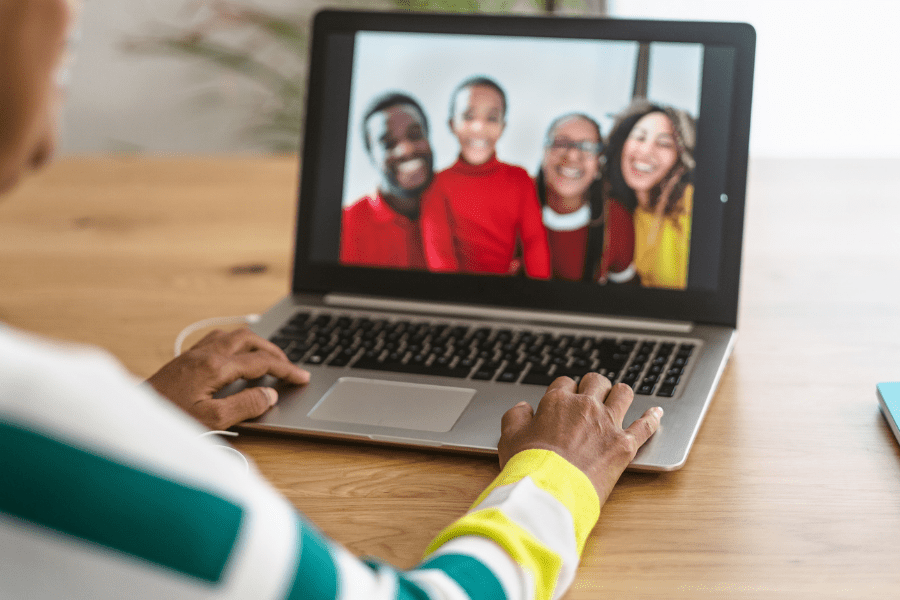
column 617, row 330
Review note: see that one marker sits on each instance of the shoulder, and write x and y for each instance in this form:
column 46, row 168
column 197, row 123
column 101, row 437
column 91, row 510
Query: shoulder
column 517, row 173
column 617, row 213
column 447, row 173
column 687, row 199
column 518, row 179
column 441, row 178
column 360, row 207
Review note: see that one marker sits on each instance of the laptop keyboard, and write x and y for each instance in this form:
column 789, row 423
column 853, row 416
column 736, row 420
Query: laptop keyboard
column 650, row 367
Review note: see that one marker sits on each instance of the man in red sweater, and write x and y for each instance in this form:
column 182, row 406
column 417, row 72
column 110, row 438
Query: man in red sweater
column 382, row 229
column 477, row 211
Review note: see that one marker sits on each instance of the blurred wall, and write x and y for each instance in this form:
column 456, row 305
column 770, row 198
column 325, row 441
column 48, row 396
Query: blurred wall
column 826, row 71
column 120, row 101
column 825, row 78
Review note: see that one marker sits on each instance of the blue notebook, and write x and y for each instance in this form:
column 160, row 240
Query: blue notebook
column 889, row 400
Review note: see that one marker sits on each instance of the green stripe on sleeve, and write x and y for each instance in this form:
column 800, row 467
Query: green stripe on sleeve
column 475, row 578
column 408, row 590
column 316, row 577
column 90, row 497
column 542, row 562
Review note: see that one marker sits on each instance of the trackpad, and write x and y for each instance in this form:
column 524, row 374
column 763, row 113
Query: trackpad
column 393, row 404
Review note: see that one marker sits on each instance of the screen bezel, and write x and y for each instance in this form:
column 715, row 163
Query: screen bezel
column 321, row 276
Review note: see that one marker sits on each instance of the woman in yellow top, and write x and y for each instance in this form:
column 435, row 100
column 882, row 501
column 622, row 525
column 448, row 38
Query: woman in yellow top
column 650, row 164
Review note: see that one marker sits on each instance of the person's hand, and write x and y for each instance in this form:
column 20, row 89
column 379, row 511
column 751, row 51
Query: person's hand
column 583, row 424
column 190, row 380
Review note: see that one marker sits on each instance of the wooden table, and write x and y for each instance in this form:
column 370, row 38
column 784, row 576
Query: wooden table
column 793, row 486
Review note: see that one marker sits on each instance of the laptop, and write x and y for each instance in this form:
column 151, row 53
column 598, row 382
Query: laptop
column 431, row 357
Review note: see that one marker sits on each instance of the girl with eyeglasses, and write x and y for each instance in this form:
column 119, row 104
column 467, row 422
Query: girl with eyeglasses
column 590, row 240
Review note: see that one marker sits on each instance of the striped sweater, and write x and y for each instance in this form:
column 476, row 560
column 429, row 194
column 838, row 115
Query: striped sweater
column 108, row 491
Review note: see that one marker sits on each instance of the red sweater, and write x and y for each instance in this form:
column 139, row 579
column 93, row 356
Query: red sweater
column 372, row 234
column 472, row 216
column 618, row 241
column 568, row 236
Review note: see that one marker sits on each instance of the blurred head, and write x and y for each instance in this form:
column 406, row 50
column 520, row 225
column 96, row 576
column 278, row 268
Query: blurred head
column 571, row 160
column 32, row 42
column 477, row 118
column 649, row 146
column 395, row 131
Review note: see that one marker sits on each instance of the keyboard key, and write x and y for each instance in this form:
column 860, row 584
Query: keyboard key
column 339, row 361
column 508, row 376
column 483, row 374
column 645, row 389
column 538, row 378
column 630, row 379
column 296, row 354
column 529, row 357
column 666, row 391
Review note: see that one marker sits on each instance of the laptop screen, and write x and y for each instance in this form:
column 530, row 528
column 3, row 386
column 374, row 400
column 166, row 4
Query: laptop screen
column 585, row 165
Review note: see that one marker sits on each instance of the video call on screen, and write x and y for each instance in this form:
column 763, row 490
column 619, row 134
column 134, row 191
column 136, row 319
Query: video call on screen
column 543, row 80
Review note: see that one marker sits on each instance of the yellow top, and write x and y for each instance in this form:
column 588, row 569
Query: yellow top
column 661, row 245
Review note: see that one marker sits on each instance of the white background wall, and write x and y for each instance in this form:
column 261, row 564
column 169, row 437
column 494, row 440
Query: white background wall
column 542, row 80
column 826, row 78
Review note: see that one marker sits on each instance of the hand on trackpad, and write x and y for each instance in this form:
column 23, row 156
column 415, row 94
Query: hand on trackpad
column 393, row 404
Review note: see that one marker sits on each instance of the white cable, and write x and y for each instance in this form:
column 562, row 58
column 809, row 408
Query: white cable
column 214, row 321
column 225, row 447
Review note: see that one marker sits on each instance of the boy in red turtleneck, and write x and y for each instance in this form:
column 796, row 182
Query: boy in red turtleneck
column 476, row 211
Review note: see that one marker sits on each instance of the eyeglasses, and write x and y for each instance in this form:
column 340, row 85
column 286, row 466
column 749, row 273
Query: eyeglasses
column 565, row 144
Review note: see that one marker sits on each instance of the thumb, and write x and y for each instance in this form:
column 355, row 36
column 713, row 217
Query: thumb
column 513, row 421
column 246, row 404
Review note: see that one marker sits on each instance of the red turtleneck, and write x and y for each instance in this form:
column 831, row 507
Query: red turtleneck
column 472, row 216
column 372, row 234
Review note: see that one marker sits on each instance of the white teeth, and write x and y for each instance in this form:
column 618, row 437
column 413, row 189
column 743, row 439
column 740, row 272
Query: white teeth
column 643, row 167
column 571, row 173
column 478, row 143
column 408, row 166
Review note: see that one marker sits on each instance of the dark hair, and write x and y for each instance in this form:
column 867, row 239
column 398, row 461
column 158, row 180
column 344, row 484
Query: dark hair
column 476, row 81
column 594, row 192
column 682, row 124
column 384, row 102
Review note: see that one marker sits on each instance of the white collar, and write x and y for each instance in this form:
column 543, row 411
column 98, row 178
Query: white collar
column 568, row 222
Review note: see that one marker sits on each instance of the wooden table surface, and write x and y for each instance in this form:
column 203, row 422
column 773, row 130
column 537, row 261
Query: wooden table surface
column 792, row 489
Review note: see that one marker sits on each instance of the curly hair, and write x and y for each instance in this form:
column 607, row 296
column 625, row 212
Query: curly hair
column 685, row 136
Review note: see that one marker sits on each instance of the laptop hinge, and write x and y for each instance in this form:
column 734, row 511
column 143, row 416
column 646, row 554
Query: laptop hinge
column 506, row 314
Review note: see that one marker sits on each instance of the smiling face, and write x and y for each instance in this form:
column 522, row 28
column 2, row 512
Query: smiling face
column 477, row 122
column 649, row 154
column 399, row 148
column 571, row 160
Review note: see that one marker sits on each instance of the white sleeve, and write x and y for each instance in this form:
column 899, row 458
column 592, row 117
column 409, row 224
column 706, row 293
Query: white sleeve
column 110, row 491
